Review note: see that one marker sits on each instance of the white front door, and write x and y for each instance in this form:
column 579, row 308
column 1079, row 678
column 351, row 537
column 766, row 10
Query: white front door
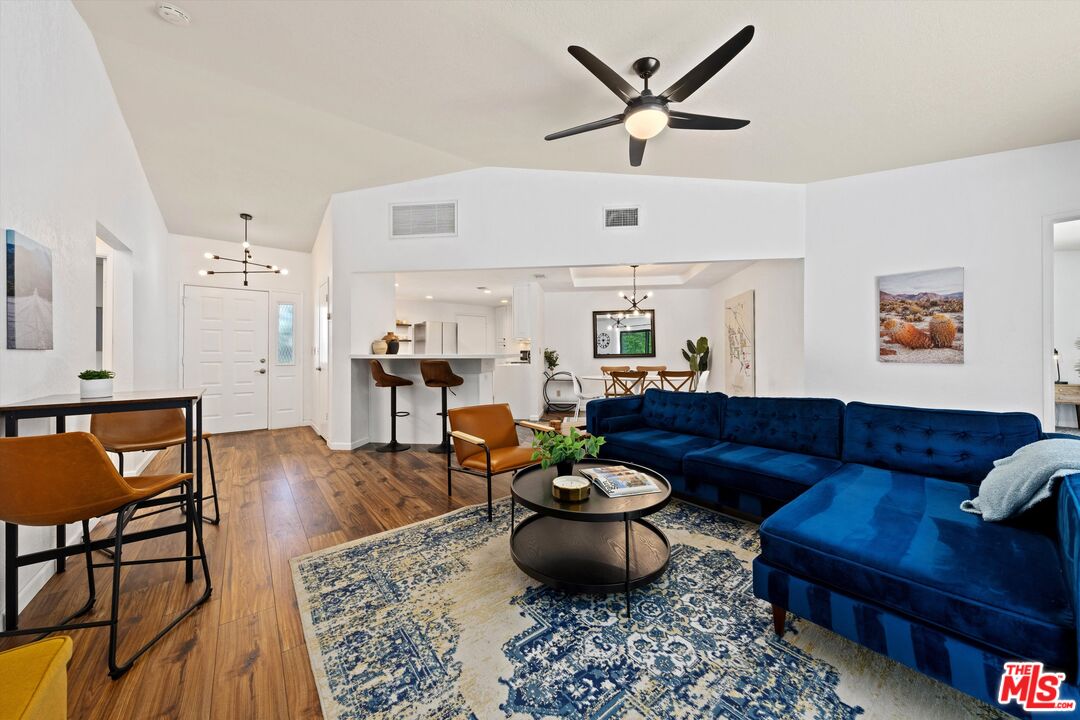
column 225, row 353
column 322, row 358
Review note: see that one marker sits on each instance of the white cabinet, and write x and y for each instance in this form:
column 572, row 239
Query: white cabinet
column 502, row 328
column 522, row 311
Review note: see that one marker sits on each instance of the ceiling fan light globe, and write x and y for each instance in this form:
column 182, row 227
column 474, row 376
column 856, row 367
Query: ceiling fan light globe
column 284, row 271
column 646, row 122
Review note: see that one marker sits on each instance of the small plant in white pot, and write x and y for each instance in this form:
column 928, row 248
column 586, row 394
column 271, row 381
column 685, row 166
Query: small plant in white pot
column 96, row 383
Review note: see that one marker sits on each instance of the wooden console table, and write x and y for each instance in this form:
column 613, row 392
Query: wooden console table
column 1068, row 394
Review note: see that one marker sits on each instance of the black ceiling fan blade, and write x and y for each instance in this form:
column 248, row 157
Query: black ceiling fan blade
column 690, row 121
column 708, row 67
column 594, row 125
column 606, row 75
column 637, row 151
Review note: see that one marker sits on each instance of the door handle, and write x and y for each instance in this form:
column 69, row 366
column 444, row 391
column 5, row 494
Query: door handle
column 261, row 371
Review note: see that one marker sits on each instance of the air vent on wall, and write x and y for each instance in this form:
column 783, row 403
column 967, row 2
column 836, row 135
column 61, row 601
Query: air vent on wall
column 621, row 217
column 423, row 219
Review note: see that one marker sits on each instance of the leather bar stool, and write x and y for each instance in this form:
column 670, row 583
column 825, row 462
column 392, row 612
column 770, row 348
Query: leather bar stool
column 53, row 480
column 384, row 379
column 437, row 374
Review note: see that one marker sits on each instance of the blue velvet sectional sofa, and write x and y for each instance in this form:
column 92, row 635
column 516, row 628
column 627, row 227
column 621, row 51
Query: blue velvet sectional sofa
column 863, row 532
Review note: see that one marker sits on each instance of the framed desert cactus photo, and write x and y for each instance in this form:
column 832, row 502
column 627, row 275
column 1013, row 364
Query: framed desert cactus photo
column 921, row 317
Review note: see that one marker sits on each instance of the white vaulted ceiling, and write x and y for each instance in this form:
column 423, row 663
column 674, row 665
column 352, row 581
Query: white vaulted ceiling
column 270, row 107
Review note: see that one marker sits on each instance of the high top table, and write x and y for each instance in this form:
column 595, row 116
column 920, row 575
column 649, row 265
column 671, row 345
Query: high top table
column 63, row 406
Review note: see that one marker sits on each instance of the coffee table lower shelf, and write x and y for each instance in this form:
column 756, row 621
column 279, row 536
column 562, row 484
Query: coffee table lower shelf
column 589, row 557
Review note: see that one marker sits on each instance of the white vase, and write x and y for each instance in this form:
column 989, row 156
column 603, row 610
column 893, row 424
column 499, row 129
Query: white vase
column 95, row 388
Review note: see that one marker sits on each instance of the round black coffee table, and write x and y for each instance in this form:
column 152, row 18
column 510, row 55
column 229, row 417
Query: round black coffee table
column 600, row 545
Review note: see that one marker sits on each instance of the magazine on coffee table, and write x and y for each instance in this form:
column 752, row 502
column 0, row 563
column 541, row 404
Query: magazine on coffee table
column 620, row 481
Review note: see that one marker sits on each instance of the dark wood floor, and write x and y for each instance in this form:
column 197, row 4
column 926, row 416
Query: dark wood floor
column 242, row 654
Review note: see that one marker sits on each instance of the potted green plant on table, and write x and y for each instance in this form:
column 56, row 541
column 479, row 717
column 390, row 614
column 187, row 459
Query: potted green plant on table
column 562, row 451
column 96, row 383
column 697, row 354
column 551, row 360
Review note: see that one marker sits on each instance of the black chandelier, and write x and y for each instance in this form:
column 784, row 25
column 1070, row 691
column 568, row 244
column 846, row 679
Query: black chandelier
column 245, row 262
column 633, row 299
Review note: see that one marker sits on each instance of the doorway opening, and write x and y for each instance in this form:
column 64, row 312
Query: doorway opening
column 103, row 303
column 1066, row 326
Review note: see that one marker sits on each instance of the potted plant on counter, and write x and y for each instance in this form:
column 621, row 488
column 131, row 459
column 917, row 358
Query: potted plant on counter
column 96, row 383
column 562, row 451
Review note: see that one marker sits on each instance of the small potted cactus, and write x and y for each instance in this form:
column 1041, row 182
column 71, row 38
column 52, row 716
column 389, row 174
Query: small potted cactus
column 96, row 383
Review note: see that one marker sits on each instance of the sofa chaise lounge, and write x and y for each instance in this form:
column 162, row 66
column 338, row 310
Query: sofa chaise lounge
column 863, row 532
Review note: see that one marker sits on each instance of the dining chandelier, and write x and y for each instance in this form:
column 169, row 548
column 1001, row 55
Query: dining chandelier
column 245, row 262
column 633, row 299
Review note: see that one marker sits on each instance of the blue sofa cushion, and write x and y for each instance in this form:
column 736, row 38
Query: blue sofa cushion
column 762, row 471
column 683, row 412
column 953, row 444
column 802, row 425
column 901, row 541
column 660, row 450
column 598, row 413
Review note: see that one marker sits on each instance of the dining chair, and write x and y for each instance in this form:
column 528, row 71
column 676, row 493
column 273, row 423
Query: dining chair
column 580, row 395
column 486, row 443
column 628, row 382
column 677, row 380
column 606, row 370
column 66, row 478
column 652, row 381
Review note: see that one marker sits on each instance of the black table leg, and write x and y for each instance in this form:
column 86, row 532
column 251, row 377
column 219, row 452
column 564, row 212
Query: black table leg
column 11, row 576
column 626, row 523
column 61, row 530
column 199, row 461
column 189, row 538
column 11, row 552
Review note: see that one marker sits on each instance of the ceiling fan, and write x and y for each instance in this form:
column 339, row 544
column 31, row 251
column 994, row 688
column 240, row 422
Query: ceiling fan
column 647, row 114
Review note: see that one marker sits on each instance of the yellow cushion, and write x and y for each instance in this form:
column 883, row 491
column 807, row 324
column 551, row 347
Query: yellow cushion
column 33, row 680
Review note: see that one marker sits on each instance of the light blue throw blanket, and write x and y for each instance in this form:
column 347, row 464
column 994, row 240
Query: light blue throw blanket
column 1024, row 478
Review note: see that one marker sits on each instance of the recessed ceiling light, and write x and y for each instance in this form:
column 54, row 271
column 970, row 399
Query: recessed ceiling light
column 173, row 14
column 429, row 297
column 395, row 284
column 487, row 292
column 504, row 301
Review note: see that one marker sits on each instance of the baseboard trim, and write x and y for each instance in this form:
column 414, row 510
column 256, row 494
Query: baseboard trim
column 348, row 446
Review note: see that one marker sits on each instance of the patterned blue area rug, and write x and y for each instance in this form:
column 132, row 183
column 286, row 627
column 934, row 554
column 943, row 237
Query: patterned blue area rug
column 434, row 620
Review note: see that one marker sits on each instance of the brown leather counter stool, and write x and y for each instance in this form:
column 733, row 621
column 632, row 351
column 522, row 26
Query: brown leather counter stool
column 125, row 432
column 384, row 379
column 437, row 374
column 51, row 480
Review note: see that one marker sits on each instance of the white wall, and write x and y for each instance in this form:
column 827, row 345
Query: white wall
column 989, row 214
column 539, row 218
column 69, row 171
column 778, row 326
column 321, row 271
column 680, row 315
column 1067, row 324
column 185, row 259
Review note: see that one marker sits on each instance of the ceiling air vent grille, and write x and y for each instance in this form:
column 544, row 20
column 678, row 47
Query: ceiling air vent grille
column 423, row 219
column 621, row 217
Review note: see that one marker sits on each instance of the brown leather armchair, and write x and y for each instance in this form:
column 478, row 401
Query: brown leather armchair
column 65, row 478
column 486, row 443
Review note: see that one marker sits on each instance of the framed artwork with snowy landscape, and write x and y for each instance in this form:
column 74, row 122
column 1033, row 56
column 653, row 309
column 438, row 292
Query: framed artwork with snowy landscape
column 29, row 283
column 921, row 317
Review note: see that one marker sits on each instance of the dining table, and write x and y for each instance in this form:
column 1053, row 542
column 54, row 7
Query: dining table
column 652, row 380
column 61, row 407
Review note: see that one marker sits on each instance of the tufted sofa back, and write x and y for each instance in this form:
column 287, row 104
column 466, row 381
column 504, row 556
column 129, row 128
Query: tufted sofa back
column 803, row 425
column 951, row 444
column 683, row 412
